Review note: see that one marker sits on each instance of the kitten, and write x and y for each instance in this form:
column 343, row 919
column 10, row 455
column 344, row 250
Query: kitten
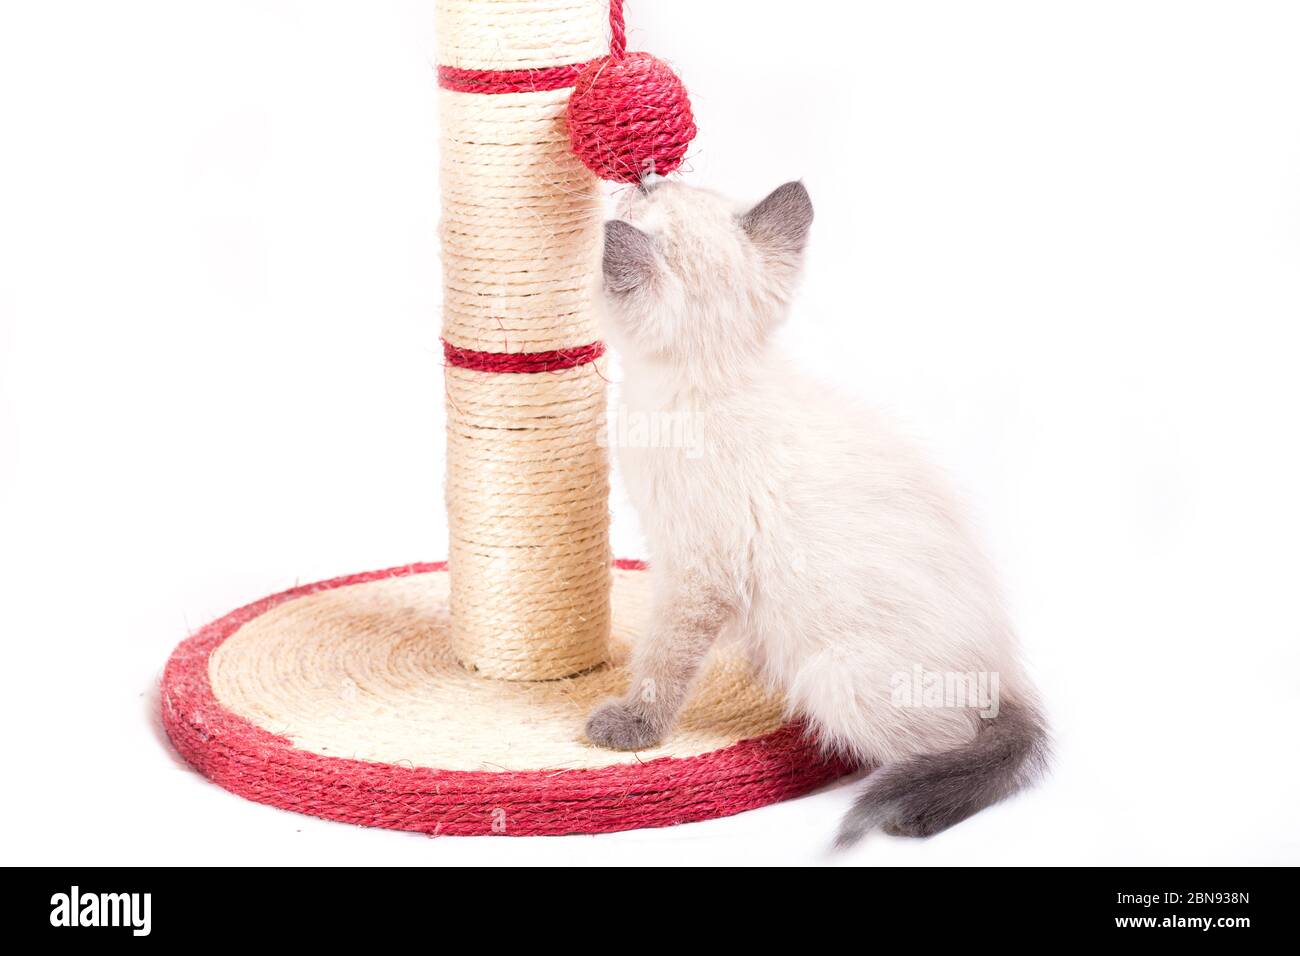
column 803, row 528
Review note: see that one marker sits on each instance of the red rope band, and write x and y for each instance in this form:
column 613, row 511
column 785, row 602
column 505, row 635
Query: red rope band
column 508, row 81
column 554, row 361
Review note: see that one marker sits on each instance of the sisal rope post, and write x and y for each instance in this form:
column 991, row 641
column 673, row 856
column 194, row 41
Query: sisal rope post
column 527, row 480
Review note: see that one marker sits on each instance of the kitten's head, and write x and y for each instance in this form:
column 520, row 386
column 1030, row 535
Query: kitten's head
column 691, row 276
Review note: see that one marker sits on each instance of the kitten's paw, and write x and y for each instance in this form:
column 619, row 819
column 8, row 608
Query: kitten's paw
column 616, row 726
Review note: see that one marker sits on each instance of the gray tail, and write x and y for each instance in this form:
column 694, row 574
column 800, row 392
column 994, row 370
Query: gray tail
column 927, row 793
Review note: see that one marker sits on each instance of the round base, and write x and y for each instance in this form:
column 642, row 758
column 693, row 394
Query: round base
column 341, row 699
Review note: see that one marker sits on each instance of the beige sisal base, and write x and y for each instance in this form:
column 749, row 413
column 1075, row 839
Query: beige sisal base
column 365, row 671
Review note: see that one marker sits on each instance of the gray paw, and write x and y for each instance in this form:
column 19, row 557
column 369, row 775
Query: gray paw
column 616, row 726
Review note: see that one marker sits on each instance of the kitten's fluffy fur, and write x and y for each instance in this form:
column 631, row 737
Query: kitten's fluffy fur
column 803, row 527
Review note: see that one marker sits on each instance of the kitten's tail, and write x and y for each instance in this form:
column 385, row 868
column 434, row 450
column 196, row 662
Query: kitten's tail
column 927, row 793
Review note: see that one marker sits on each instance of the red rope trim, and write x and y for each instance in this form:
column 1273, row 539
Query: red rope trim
column 553, row 361
column 532, row 81
column 267, row 768
column 508, row 81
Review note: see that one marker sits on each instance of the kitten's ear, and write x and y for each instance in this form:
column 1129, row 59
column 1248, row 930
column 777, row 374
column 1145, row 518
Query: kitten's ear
column 780, row 223
column 630, row 260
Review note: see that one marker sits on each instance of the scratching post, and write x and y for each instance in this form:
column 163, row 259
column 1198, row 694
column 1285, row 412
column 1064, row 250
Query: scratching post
column 527, row 483
column 450, row 698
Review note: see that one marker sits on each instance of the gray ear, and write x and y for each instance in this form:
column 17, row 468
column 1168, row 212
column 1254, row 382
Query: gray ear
column 780, row 222
column 630, row 258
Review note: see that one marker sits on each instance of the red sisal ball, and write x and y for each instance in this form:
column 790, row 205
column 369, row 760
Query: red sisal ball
column 630, row 117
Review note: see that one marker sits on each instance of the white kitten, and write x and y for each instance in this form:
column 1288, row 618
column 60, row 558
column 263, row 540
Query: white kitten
column 802, row 526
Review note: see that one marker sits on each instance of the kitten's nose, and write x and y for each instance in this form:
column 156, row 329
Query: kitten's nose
column 648, row 182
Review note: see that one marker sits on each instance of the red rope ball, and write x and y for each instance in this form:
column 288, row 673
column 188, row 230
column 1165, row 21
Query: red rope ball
column 629, row 117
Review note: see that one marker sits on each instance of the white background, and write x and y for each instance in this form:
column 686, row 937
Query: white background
column 1060, row 241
